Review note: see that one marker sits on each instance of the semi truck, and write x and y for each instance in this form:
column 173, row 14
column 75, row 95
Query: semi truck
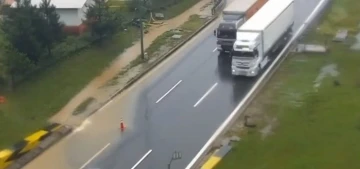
column 233, row 16
column 262, row 35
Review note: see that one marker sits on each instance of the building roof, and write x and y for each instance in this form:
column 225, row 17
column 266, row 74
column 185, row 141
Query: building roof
column 266, row 15
column 61, row 4
column 8, row 2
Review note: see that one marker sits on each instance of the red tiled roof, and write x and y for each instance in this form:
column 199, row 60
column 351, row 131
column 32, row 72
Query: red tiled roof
column 8, row 2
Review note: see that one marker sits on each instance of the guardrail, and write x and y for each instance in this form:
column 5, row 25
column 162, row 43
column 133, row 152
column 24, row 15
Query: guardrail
column 265, row 77
column 30, row 147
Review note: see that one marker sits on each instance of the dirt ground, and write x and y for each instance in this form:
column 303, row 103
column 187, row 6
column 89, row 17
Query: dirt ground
column 93, row 89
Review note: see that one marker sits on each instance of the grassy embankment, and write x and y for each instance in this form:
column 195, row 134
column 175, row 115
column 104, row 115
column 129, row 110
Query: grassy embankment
column 35, row 100
column 315, row 129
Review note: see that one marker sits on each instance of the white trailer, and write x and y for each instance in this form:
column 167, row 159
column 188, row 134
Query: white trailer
column 237, row 7
column 269, row 29
column 233, row 16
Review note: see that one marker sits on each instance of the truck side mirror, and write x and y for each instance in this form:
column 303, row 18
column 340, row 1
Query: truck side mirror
column 215, row 32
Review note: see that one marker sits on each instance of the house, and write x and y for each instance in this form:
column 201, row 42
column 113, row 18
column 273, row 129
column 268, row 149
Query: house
column 7, row 2
column 71, row 12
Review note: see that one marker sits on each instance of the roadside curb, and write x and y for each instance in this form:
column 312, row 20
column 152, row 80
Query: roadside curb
column 31, row 146
column 216, row 157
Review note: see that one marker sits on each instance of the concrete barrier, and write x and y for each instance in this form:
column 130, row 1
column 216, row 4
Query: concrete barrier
column 216, row 157
column 5, row 159
column 30, row 147
column 198, row 160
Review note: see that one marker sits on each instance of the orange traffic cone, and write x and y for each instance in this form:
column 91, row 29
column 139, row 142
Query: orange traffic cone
column 2, row 99
column 122, row 125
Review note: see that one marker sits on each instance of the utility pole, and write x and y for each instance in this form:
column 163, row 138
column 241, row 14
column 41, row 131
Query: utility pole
column 142, row 39
column 140, row 9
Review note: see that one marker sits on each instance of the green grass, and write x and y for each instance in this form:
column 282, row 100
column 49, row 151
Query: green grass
column 82, row 107
column 320, row 131
column 117, row 3
column 194, row 23
column 187, row 28
column 169, row 12
column 191, row 25
column 179, row 8
column 34, row 101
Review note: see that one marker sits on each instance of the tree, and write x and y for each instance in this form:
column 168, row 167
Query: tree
column 52, row 30
column 20, row 30
column 134, row 5
column 102, row 21
column 16, row 64
column 13, row 63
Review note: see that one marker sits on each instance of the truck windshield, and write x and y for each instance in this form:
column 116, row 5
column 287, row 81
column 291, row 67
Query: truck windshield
column 226, row 31
column 243, row 54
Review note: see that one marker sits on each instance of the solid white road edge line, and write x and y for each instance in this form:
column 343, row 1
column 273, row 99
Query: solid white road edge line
column 206, row 94
column 169, row 91
column 105, row 105
column 215, row 49
column 253, row 89
column 141, row 159
column 94, row 156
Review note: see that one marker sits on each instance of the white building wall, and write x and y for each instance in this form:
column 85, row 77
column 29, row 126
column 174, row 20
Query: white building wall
column 70, row 17
column 73, row 17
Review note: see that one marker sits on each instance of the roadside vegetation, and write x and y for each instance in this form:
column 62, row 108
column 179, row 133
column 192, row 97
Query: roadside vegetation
column 44, row 67
column 159, row 47
column 308, row 114
column 170, row 8
column 166, row 40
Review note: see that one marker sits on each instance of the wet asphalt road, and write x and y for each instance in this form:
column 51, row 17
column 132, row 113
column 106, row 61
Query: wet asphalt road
column 176, row 122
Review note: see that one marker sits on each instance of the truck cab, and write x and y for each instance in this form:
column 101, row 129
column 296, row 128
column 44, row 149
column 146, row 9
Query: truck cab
column 226, row 33
column 233, row 16
column 262, row 35
column 247, row 55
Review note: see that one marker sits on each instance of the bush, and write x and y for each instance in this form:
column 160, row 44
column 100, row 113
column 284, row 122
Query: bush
column 70, row 46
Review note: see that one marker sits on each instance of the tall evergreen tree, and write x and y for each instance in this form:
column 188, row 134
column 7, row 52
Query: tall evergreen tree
column 102, row 21
column 12, row 62
column 52, row 30
column 134, row 5
column 19, row 30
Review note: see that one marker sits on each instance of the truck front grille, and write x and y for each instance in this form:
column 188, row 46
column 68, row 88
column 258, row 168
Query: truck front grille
column 243, row 67
column 242, row 64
